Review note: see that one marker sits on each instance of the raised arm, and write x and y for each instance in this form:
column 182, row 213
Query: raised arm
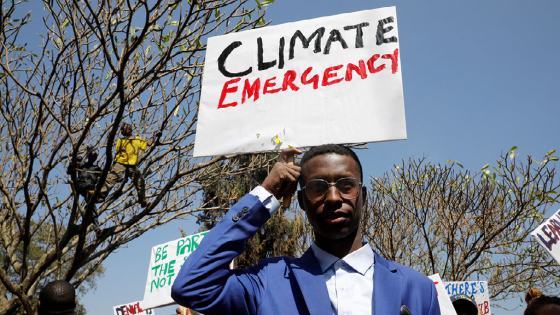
column 205, row 282
column 154, row 138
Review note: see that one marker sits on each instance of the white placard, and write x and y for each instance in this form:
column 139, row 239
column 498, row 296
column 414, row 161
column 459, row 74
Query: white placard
column 134, row 308
column 165, row 262
column 548, row 234
column 445, row 305
column 477, row 290
column 334, row 79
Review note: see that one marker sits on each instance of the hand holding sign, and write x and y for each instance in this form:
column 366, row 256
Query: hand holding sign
column 283, row 177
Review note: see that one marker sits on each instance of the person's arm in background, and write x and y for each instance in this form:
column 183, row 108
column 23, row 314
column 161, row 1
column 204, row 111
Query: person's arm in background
column 154, row 138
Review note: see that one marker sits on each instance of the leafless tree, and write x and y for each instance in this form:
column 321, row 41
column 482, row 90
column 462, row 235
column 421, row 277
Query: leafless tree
column 440, row 218
column 99, row 63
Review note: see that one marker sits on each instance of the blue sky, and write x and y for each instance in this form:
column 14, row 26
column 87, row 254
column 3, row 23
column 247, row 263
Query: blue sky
column 479, row 77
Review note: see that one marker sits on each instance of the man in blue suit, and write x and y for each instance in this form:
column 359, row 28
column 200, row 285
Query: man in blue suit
column 338, row 274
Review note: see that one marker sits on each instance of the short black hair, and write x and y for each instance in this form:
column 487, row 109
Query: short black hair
column 329, row 149
column 57, row 296
column 535, row 300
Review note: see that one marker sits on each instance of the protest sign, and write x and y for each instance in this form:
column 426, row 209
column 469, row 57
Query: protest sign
column 548, row 233
column 134, row 308
column 165, row 263
column 477, row 290
column 445, row 305
column 334, row 79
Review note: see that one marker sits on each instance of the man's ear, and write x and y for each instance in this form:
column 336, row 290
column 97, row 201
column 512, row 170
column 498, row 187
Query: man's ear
column 300, row 196
column 75, row 302
column 38, row 304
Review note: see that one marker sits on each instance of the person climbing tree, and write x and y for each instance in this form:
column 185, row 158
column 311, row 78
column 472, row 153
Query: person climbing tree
column 126, row 160
column 88, row 173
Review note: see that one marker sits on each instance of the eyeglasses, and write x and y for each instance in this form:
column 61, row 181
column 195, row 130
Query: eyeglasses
column 348, row 188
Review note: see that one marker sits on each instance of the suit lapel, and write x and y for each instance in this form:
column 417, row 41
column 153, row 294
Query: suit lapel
column 387, row 287
column 312, row 284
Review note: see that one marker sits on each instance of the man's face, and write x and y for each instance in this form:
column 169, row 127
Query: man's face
column 126, row 130
column 332, row 217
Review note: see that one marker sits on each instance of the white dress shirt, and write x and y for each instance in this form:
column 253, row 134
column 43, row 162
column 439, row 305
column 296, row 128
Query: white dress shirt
column 268, row 200
column 349, row 279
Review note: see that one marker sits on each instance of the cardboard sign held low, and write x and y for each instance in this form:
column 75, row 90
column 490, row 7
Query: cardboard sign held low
column 134, row 308
column 335, row 79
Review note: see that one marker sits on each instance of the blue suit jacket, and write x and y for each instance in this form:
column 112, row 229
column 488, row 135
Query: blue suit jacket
column 281, row 285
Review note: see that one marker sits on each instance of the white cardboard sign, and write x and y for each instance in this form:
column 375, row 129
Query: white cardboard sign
column 548, row 234
column 478, row 290
column 334, row 79
column 165, row 263
column 445, row 305
column 134, row 308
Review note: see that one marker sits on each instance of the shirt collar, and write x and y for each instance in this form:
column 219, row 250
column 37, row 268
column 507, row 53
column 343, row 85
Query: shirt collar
column 360, row 260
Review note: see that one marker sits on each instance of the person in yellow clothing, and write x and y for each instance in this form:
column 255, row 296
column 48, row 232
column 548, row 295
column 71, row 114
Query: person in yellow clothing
column 126, row 159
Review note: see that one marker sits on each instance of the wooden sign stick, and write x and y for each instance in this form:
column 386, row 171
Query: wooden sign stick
column 287, row 199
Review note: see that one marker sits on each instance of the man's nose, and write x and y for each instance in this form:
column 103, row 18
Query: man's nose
column 332, row 194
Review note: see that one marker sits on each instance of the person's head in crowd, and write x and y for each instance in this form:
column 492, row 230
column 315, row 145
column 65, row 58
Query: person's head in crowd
column 464, row 305
column 540, row 304
column 57, row 297
column 92, row 154
column 181, row 310
column 126, row 129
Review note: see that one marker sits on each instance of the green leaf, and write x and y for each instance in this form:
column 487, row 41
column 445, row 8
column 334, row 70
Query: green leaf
column 485, row 166
column 513, row 149
column 59, row 41
column 459, row 164
column 259, row 5
column 174, row 23
column 147, row 51
column 553, row 158
column 551, row 152
column 65, row 24
column 267, row 2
